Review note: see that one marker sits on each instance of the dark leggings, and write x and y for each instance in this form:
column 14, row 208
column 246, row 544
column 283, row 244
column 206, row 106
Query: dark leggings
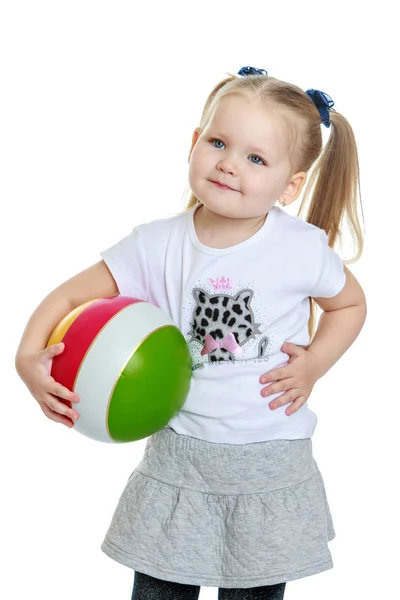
column 149, row 588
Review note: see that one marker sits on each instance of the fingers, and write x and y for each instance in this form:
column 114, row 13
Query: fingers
column 298, row 403
column 276, row 374
column 290, row 396
column 54, row 416
column 57, row 389
column 56, row 400
column 285, row 398
column 54, row 349
column 276, row 387
column 52, row 407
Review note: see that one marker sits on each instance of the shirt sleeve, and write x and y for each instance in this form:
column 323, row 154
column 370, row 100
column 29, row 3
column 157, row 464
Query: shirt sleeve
column 330, row 276
column 126, row 261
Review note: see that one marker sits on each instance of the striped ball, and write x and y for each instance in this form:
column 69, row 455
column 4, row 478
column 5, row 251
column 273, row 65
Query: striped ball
column 129, row 364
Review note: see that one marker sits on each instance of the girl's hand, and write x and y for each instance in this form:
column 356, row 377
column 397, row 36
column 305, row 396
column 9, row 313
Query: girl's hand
column 34, row 369
column 297, row 378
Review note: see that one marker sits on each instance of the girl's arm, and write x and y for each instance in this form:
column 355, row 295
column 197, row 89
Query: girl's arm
column 94, row 282
column 339, row 325
column 33, row 360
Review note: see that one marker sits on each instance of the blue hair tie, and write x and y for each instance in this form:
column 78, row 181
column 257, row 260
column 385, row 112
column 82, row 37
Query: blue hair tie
column 244, row 71
column 323, row 102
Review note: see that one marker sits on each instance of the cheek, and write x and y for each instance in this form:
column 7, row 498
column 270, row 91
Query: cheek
column 255, row 186
column 193, row 166
column 261, row 186
column 198, row 165
column 194, row 176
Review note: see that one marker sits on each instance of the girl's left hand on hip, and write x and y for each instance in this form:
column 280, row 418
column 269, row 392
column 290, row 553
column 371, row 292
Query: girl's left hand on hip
column 296, row 379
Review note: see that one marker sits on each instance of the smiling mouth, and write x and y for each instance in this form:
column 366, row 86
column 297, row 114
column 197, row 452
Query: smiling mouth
column 222, row 187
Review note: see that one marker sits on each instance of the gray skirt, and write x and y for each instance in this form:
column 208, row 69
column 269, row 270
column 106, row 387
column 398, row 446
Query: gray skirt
column 223, row 515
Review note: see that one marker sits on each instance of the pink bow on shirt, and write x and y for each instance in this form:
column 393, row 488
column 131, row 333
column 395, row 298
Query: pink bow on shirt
column 229, row 343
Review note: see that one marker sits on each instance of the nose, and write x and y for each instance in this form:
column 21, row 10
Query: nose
column 227, row 166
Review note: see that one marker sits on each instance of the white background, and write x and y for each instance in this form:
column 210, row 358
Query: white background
column 98, row 102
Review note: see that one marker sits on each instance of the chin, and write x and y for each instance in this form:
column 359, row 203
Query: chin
column 223, row 211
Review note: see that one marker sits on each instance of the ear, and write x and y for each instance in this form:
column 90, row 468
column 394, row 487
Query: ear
column 293, row 187
column 195, row 137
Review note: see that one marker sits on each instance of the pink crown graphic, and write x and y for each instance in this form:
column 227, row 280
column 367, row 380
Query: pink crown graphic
column 222, row 283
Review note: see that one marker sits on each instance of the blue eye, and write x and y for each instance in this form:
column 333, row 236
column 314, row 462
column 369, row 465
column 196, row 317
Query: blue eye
column 253, row 155
column 212, row 141
column 258, row 163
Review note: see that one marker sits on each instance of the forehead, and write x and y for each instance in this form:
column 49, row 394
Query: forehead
column 250, row 122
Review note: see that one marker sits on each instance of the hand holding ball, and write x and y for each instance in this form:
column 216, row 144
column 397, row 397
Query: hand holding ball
column 129, row 364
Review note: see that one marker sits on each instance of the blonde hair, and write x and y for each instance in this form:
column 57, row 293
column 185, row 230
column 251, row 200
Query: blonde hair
column 333, row 185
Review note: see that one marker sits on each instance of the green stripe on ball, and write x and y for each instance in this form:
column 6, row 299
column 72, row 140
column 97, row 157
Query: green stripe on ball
column 152, row 388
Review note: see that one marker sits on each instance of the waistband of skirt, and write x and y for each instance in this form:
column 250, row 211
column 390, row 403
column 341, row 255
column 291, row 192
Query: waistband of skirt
column 195, row 464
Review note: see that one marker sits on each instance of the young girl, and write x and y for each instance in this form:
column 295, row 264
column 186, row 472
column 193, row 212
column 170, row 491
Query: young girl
column 229, row 494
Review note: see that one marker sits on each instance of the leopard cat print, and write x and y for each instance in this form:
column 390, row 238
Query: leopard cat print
column 220, row 314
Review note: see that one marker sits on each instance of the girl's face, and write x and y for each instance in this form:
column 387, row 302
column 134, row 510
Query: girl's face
column 244, row 146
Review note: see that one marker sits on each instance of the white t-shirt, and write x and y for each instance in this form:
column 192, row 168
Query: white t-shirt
column 249, row 298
